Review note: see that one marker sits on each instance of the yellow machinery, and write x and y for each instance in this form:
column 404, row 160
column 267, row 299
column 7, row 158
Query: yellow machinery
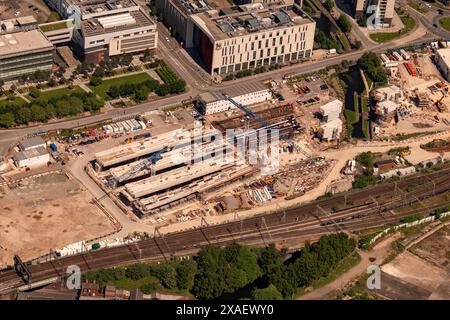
column 440, row 105
column 128, row 140
column 404, row 153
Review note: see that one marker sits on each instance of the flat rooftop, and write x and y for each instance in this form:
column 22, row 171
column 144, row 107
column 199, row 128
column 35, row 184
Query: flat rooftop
column 115, row 23
column 176, row 177
column 32, row 142
column 246, row 19
column 150, row 145
column 22, row 42
column 29, row 154
column 172, row 159
column 234, row 91
column 445, row 54
column 98, row 6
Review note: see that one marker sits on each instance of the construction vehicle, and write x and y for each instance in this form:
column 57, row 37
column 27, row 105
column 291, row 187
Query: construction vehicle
column 403, row 153
column 440, row 105
column 128, row 140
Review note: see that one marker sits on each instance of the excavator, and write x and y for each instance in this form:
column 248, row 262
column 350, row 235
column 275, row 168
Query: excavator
column 440, row 105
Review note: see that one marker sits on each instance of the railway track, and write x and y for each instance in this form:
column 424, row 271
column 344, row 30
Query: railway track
column 294, row 223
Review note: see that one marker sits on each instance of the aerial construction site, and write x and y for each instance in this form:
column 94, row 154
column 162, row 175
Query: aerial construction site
column 159, row 173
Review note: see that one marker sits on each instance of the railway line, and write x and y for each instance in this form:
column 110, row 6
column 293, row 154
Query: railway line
column 307, row 222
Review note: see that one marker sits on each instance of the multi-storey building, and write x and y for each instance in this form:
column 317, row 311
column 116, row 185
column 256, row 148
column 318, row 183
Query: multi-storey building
column 104, row 28
column 230, row 39
column 24, row 49
column 442, row 59
column 385, row 9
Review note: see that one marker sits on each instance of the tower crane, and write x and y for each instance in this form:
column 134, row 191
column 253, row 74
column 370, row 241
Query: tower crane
column 264, row 123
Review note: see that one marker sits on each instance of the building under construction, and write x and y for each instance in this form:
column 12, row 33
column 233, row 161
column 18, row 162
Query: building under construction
column 281, row 117
column 164, row 171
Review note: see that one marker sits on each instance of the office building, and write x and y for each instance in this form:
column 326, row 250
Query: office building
column 229, row 39
column 106, row 28
column 442, row 59
column 385, row 8
column 247, row 94
column 24, row 49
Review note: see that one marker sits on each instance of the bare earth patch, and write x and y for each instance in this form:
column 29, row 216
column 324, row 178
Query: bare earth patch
column 47, row 212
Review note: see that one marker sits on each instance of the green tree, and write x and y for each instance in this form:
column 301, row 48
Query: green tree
column 371, row 64
column 328, row 4
column 62, row 108
column 137, row 271
column 366, row 159
column 38, row 113
column 269, row 293
column 270, row 259
column 7, row 120
column 96, row 81
column 344, row 23
column 186, row 271
column 23, row 115
column 166, row 274
column 35, row 93
column 209, row 282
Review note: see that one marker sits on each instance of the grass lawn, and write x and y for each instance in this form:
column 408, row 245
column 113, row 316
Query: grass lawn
column 102, row 89
column 47, row 95
column 351, row 117
column 15, row 101
column 381, row 37
column 445, row 23
column 342, row 267
column 412, row 135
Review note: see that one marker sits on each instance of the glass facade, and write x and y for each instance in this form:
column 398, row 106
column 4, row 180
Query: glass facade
column 13, row 67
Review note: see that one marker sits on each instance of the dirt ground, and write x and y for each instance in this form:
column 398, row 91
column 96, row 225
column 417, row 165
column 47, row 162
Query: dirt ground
column 426, row 280
column 46, row 212
column 436, row 248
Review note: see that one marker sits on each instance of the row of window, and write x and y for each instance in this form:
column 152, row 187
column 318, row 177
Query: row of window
column 264, row 53
column 261, row 44
column 269, row 34
column 263, row 62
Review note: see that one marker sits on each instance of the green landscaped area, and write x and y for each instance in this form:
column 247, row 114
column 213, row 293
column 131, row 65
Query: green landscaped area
column 47, row 95
column 445, row 23
column 16, row 100
column 103, row 88
column 381, row 37
column 54, row 26
column 343, row 266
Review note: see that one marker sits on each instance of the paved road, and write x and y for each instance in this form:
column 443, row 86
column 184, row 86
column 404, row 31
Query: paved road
column 429, row 19
column 8, row 137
